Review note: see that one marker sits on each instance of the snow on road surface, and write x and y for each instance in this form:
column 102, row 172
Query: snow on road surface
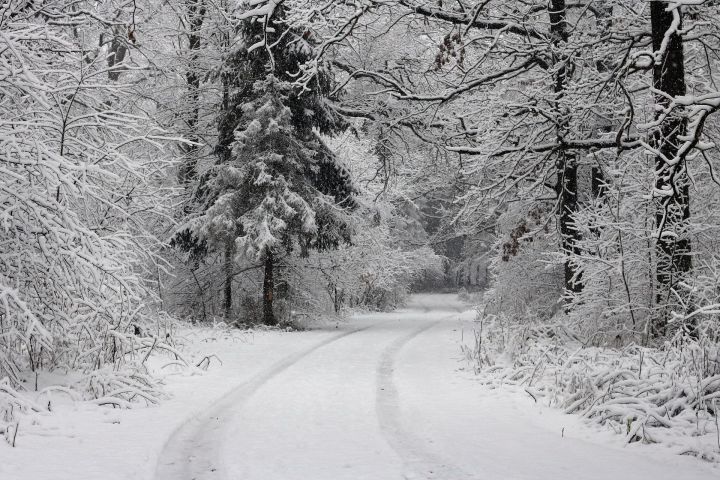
column 383, row 397
column 385, row 400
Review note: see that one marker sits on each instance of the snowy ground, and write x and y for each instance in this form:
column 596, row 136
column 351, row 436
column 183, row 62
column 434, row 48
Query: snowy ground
column 380, row 397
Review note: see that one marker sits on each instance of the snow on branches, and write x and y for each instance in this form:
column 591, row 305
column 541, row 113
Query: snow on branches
column 80, row 176
column 259, row 195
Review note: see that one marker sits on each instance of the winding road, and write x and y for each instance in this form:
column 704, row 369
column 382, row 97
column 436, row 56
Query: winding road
column 382, row 399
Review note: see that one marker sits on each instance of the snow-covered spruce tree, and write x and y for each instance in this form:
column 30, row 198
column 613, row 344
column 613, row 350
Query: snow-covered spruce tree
column 276, row 187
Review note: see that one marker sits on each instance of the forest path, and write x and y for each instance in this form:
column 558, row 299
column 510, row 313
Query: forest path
column 384, row 400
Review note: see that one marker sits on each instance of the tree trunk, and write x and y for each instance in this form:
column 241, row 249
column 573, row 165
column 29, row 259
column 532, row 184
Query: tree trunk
column 117, row 53
column 336, row 302
column 196, row 16
column 229, row 274
column 567, row 184
column 268, row 287
column 672, row 210
column 604, row 21
column 566, row 162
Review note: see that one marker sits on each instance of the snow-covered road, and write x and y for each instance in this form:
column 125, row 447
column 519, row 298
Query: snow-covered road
column 382, row 399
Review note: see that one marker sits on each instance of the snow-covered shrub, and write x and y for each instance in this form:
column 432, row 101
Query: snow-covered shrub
column 12, row 403
column 527, row 282
column 621, row 296
column 374, row 271
column 79, row 173
column 616, row 257
column 668, row 395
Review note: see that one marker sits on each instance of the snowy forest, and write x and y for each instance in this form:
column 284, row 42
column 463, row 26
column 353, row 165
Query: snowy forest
column 228, row 225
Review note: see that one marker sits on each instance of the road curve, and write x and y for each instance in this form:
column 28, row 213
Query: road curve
column 328, row 411
column 384, row 401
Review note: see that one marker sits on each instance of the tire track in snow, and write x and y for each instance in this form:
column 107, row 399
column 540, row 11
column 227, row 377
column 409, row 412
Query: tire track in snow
column 191, row 452
column 419, row 462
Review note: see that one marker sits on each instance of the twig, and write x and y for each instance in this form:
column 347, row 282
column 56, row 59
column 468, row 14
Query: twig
column 15, row 432
column 147, row 355
column 533, row 396
column 717, row 427
column 207, row 358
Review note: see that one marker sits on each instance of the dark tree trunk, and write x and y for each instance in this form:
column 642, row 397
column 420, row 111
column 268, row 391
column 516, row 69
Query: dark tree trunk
column 672, row 211
column 336, row 299
column 268, row 287
column 229, row 274
column 567, row 183
column 118, row 51
column 597, row 182
column 604, row 20
column 196, row 16
column 566, row 162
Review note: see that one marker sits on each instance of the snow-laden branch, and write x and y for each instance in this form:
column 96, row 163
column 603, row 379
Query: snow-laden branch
column 581, row 144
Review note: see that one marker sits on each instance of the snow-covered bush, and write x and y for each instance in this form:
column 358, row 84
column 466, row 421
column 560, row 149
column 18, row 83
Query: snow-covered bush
column 617, row 257
column 527, row 282
column 374, row 271
column 80, row 168
column 667, row 395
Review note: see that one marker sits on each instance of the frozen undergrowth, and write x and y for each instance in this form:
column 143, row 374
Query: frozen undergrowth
column 137, row 380
column 668, row 395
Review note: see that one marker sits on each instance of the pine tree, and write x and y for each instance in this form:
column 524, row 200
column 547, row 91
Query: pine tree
column 276, row 187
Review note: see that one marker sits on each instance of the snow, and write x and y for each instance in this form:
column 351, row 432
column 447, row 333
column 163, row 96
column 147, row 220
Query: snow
column 87, row 442
column 503, row 434
column 383, row 396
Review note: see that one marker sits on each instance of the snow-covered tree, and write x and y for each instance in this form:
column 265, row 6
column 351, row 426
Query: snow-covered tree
column 276, row 187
